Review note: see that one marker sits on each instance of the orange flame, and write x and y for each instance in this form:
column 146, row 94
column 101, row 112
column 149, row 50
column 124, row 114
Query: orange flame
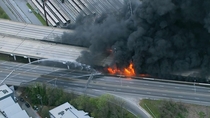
column 129, row 71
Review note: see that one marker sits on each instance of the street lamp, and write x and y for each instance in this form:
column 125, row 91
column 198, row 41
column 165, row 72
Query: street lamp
column 45, row 14
column 52, row 80
column 40, row 97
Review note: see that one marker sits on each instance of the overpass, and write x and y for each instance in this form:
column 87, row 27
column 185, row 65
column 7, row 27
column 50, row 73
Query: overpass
column 30, row 31
column 21, row 39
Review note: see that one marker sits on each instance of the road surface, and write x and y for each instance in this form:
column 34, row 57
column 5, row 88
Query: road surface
column 29, row 31
column 39, row 49
column 125, row 87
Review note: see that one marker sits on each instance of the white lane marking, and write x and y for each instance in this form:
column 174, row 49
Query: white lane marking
column 164, row 94
column 177, row 87
column 161, row 85
column 149, row 78
column 197, row 98
column 96, row 90
column 146, row 84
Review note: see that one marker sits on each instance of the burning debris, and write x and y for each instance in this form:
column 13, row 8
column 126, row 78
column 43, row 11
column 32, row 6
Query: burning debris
column 129, row 71
column 159, row 37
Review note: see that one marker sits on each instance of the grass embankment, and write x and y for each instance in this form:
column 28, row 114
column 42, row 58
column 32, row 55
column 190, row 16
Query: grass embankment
column 171, row 109
column 3, row 14
column 36, row 14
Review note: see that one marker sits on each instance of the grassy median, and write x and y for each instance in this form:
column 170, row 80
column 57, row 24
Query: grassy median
column 36, row 14
column 3, row 14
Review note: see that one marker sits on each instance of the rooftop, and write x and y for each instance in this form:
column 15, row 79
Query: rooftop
column 5, row 90
column 68, row 111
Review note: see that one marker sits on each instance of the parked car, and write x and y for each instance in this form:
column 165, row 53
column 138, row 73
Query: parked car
column 27, row 105
column 21, row 99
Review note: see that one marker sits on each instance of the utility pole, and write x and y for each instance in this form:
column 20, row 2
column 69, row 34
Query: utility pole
column 45, row 14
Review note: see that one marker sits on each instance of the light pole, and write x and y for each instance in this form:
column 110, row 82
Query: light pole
column 15, row 68
column 40, row 97
column 7, row 76
column 45, row 14
column 52, row 80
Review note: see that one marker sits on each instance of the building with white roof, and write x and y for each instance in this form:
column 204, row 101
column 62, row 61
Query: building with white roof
column 9, row 108
column 67, row 111
column 5, row 92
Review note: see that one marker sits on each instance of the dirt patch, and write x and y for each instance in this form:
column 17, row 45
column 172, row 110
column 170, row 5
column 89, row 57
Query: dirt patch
column 197, row 111
column 154, row 107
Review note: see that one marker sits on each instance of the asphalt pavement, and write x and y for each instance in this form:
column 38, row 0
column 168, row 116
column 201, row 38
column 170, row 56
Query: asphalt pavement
column 124, row 87
column 24, row 8
column 17, row 10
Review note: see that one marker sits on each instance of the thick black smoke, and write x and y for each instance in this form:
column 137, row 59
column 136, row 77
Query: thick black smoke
column 159, row 36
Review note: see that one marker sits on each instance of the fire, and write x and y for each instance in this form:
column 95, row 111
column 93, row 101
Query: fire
column 129, row 71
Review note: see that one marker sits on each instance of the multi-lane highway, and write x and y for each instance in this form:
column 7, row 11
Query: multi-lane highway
column 106, row 84
column 39, row 49
column 30, row 31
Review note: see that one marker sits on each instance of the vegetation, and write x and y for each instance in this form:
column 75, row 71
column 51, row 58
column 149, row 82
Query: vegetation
column 3, row 14
column 37, row 14
column 105, row 106
column 164, row 108
column 5, row 57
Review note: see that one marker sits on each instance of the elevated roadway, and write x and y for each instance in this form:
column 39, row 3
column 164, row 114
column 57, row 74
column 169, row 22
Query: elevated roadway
column 39, row 49
column 30, row 31
column 26, row 40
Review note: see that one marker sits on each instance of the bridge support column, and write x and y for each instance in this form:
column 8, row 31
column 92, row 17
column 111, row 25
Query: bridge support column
column 29, row 60
column 14, row 57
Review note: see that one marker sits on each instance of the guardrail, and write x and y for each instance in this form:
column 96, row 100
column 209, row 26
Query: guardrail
column 160, row 80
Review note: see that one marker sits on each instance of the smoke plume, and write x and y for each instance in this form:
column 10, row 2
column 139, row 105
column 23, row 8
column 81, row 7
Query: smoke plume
column 158, row 36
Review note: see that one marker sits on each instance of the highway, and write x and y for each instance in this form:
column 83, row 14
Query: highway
column 30, row 31
column 39, row 49
column 124, row 87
